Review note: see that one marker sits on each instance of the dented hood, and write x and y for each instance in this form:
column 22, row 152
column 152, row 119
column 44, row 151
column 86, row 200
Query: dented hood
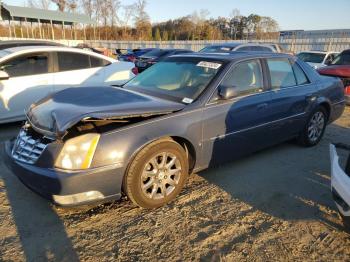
column 55, row 114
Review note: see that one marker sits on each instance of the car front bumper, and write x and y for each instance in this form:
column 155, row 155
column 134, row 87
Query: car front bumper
column 340, row 181
column 69, row 188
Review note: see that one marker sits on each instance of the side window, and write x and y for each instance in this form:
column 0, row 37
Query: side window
column 281, row 73
column 246, row 77
column 244, row 48
column 98, row 62
column 300, row 75
column 29, row 64
column 262, row 48
column 72, row 61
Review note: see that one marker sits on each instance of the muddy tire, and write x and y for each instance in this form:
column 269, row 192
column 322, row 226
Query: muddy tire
column 314, row 129
column 157, row 174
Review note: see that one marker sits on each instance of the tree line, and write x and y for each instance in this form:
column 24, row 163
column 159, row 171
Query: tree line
column 115, row 21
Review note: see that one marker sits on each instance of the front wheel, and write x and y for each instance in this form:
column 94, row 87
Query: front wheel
column 314, row 129
column 157, row 174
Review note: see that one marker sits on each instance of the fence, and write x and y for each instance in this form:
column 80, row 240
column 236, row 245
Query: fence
column 290, row 44
column 294, row 45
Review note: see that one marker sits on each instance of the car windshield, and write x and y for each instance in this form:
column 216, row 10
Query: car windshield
column 178, row 80
column 342, row 59
column 216, row 49
column 311, row 57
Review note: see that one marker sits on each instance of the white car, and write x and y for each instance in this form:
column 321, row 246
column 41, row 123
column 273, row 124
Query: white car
column 341, row 183
column 30, row 73
column 317, row 59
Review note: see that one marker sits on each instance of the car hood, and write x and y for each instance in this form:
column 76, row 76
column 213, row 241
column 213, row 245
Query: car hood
column 56, row 113
column 335, row 70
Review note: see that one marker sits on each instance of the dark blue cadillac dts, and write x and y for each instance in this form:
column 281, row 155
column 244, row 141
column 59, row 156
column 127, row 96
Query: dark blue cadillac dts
column 182, row 115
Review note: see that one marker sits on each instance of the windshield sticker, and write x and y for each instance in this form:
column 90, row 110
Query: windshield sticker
column 187, row 100
column 209, row 65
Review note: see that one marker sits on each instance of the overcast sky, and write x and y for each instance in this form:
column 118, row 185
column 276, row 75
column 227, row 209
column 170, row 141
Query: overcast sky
column 290, row 14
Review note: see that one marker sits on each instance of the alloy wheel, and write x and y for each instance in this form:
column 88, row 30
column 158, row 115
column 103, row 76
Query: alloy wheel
column 161, row 175
column 316, row 126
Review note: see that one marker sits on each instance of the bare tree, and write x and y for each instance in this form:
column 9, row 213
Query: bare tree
column 42, row 4
column 88, row 7
column 115, row 8
column 61, row 4
column 71, row 5
column 127, row 13
column 140, row 11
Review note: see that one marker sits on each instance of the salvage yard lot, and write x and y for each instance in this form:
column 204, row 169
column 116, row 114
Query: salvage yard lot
column 273, row 205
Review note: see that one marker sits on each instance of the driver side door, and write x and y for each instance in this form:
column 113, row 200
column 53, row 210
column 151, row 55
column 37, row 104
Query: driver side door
column 30, row 79
column 238, row 126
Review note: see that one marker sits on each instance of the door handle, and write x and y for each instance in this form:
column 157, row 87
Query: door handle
column 262, row 106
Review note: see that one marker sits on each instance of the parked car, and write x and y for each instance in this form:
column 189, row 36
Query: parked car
column 84, row 46
column 182, row 115
column 30, row 73
column 317, row 59
column 341, row 182
column 340, row 67
column 18, row 43
column 156, row 55
column 232, row 47
column 278, row 48
column 131, row 55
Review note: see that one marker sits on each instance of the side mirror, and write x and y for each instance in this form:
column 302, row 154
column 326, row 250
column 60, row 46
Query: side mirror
column 227, row 92
column 4, row 75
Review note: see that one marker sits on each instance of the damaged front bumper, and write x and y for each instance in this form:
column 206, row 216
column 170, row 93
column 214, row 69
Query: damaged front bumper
column 340, row 180
column 69, row 188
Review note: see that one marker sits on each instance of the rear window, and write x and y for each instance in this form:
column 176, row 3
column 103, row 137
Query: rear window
column 98, row 62
column 156, row 53
column 217, row 49
column 311, row 57
column 281, row 73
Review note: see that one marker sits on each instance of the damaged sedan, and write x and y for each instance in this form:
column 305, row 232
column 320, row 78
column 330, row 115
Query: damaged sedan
column 182, row 115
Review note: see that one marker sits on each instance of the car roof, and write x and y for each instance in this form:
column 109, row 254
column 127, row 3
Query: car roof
column 318, row 52
column 24, row 49
column 233, row 55
column 14, row 42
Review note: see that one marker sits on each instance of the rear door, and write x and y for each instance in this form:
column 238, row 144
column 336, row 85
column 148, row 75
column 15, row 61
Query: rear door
column 292, row 96
column 76, row 69
column 30, row 79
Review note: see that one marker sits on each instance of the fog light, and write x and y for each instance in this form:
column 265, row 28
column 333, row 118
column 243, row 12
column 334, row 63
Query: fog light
column 78, row 198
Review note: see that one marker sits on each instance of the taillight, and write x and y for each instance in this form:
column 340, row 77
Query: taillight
column 347, row 90
column 132, row 58
column 135, row 70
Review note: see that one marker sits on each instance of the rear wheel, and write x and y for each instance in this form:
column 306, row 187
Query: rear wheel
column 314, row 128
column 157, row 174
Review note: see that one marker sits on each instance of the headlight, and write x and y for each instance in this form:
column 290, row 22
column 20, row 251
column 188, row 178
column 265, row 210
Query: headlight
column 77, row 153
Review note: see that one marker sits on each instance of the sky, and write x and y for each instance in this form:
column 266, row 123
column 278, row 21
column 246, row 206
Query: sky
column 290, row 14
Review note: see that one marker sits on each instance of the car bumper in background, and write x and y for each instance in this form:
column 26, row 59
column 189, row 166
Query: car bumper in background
column 340, row 182
column 69, row 188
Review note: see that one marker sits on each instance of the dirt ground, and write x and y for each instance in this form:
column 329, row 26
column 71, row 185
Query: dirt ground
column 273, row 205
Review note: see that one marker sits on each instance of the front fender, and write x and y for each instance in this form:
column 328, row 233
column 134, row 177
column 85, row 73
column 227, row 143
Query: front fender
column 121, row 145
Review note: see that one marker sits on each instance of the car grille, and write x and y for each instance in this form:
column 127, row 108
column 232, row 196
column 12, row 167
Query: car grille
column 26, row 148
